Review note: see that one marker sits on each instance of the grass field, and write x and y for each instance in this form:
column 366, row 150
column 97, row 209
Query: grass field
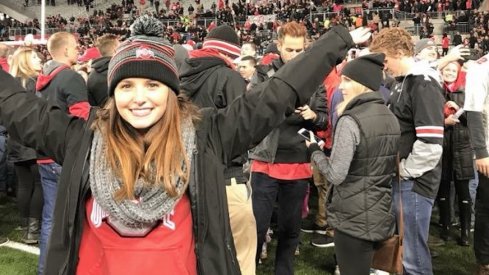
column 453, row 259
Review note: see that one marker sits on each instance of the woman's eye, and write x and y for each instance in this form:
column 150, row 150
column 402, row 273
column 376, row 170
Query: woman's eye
column 125, row 86
column 153, row 85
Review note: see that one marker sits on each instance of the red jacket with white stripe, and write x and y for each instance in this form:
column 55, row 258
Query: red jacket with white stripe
column 417, row 102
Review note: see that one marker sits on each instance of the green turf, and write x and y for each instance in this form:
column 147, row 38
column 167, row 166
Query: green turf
column 453, row 259
column 14, row 262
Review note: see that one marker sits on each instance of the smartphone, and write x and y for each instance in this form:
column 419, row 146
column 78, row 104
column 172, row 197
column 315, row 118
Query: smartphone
column 305, row 134
column 458, row 113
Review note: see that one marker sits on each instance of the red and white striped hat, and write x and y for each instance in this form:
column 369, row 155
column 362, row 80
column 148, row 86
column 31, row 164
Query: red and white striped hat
column 225, row 40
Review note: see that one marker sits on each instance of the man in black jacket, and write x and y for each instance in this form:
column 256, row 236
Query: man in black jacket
column 97, row 80
column 208, row 78
column 417, row 101
column 281, row 166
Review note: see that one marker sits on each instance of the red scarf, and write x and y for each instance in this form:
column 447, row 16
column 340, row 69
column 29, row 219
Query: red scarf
column 458, row 84
column 210, row 53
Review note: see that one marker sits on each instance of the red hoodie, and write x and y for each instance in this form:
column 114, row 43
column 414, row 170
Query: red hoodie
column 331, row 82
column 4, row 64
column 167, row 249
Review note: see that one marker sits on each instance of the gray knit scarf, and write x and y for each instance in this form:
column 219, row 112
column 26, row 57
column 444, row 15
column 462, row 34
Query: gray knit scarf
column 153, row 201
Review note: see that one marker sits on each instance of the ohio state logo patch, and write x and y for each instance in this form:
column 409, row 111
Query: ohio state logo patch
column 144, row 53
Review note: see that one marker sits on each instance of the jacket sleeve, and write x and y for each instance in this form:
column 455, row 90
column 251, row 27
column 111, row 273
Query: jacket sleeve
column 31, row 120
column 253, row 115
column 427, row 108
column 476, row 92
column 319, row 105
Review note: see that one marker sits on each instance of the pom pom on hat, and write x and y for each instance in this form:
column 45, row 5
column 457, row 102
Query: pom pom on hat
column 145, row 55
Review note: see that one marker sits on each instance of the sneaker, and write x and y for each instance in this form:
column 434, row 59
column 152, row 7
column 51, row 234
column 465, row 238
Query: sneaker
column 337, row 270
column 320, row 240
column 264, row 252
column 312, row 227
column 483, row 270
column 297, row 251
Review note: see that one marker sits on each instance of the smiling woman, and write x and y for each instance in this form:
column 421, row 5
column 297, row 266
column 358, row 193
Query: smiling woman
column 141, row 102
column 143, row 189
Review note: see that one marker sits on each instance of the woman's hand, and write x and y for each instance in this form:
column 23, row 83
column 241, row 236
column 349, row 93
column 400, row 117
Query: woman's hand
column 451, row 120
column 360, row 35
column 452, row 104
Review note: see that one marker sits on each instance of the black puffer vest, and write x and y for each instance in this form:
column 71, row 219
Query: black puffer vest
column 361, row 206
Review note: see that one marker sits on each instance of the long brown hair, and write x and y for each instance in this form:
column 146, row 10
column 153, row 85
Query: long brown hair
column 156, row 156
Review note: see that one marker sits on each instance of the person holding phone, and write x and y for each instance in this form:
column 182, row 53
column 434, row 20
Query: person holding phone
column 457, row 158
column 361, row 167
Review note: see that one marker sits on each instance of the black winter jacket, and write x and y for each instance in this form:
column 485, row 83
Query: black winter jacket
column 361, row 206
column 201, row 74
column 210, row 74
column 283, row 144
column 16, row 151
column 221, row 135
column 97, row 82
column 458, row 155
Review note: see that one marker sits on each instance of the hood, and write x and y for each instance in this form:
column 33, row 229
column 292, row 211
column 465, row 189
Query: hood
column 194, row 72
column 423, row 68
column 49, row 71
column 101, row 65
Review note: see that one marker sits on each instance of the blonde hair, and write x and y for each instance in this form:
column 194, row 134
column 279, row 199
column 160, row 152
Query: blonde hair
column 358, row 88
column 21, row 64
column 57, row 41
column 155, row 157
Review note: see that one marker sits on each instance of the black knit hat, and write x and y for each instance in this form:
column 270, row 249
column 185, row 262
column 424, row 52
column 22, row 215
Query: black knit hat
column 146, row 54
column 366, row 70
column 223, row 39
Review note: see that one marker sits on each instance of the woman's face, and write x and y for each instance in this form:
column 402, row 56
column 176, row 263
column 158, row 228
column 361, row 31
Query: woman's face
column 35, row 62
column 349, row 88
column 141, row 101
column 449, row 73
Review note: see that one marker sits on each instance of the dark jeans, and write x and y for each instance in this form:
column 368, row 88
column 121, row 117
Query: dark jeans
column 481, row 233
column 444, row 194
column 49, row 180
column 3, row 163
column 29, row 190
column 291, row 195
column 354, row 255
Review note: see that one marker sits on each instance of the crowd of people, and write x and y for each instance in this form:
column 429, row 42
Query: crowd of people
column 175, row 145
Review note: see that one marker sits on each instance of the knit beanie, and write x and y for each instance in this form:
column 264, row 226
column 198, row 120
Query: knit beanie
column 225, row 40
column 423, row 44
column 366, row 70
column 146, row 54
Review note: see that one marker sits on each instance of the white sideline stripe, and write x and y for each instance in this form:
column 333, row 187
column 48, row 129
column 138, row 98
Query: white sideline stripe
column 22, row 247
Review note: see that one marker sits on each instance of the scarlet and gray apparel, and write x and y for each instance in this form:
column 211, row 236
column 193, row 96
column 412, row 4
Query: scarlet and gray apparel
column 64, row 88
column 167, row 249
column 417, row 102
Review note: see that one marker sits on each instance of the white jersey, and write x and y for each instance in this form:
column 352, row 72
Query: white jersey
column 477, row 91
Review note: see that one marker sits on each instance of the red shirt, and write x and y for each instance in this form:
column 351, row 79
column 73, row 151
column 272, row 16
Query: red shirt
column 445, row 42
column 283, row 171
column 167, row 249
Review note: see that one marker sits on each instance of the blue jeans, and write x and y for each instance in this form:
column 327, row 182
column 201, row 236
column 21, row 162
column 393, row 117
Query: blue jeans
column 49, row 180
column 417, row 215
column 3, row 163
